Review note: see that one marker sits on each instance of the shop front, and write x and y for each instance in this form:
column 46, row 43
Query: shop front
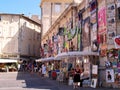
column 88, row 62
column 8, row 65
column 52, row 65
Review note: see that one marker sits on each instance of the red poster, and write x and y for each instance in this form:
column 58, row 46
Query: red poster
column 102, row 18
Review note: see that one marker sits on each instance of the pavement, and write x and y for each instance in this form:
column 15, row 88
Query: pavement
column 27, row 81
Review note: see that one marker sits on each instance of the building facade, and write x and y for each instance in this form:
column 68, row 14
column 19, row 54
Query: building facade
column 88, row 33
column 19, row 37
column 51, row 10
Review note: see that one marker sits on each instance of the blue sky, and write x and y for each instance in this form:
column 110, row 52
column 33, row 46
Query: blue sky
column 26, row 7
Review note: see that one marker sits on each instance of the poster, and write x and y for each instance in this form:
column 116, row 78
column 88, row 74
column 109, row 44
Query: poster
column 102, row 37
column 87, row 69
column 111, row 36
column 110, row 75
column 93, row 83
column 102, row 17
column 111, row 10
column 95, row 69
column 85, row 32
column 117, row 41
column 94, row 42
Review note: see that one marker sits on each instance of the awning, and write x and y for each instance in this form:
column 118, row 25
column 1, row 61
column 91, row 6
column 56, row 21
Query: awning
column 7, row 61
column 45, row 59
column 75, row 54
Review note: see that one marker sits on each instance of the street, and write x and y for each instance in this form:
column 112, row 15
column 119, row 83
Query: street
column 27, row 81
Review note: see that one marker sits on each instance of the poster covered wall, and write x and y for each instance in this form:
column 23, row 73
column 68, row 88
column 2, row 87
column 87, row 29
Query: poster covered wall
column 111, row 21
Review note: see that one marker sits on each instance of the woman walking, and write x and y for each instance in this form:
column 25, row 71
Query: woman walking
column 76, row 78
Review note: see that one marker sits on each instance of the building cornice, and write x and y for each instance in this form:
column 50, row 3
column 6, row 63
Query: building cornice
column 56, row 1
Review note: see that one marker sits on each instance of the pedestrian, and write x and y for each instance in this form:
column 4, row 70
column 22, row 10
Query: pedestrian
column 40, row 70
column 76, row 78
column 43, row 70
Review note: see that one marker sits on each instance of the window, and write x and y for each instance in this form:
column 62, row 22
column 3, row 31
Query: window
column 57, row 7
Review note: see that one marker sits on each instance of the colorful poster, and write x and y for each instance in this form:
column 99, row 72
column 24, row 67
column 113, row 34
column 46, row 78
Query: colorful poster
column 85, row 32
column 110, row 75
column 102, row 17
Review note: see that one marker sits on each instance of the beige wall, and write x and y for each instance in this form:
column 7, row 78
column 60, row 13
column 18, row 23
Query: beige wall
column 9, row 34
column 29, row 43
column 19, row 36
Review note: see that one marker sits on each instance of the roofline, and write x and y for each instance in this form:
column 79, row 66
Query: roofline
column 22, row 15
column 42, row 1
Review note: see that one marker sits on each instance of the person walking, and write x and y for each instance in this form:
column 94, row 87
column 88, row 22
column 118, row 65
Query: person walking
column 43, row 70
column 76, row 78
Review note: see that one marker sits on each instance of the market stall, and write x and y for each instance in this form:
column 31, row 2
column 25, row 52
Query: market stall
column 84, row 59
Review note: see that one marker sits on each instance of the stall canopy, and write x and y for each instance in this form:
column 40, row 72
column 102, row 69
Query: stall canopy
column 75, row 54
column 7, row 61
column 45, row 59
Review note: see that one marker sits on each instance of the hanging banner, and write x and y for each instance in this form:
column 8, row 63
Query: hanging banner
column 102, row 18
column 94, row 42
column 86, row 32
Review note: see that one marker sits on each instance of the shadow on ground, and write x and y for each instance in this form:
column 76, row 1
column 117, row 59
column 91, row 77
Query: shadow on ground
column 34, row 81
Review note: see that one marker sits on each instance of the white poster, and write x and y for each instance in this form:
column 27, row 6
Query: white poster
column 110, row 75
column 93, row 83
column 94, row 69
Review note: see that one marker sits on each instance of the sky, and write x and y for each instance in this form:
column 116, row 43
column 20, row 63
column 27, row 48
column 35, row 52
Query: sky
column 26, row 7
